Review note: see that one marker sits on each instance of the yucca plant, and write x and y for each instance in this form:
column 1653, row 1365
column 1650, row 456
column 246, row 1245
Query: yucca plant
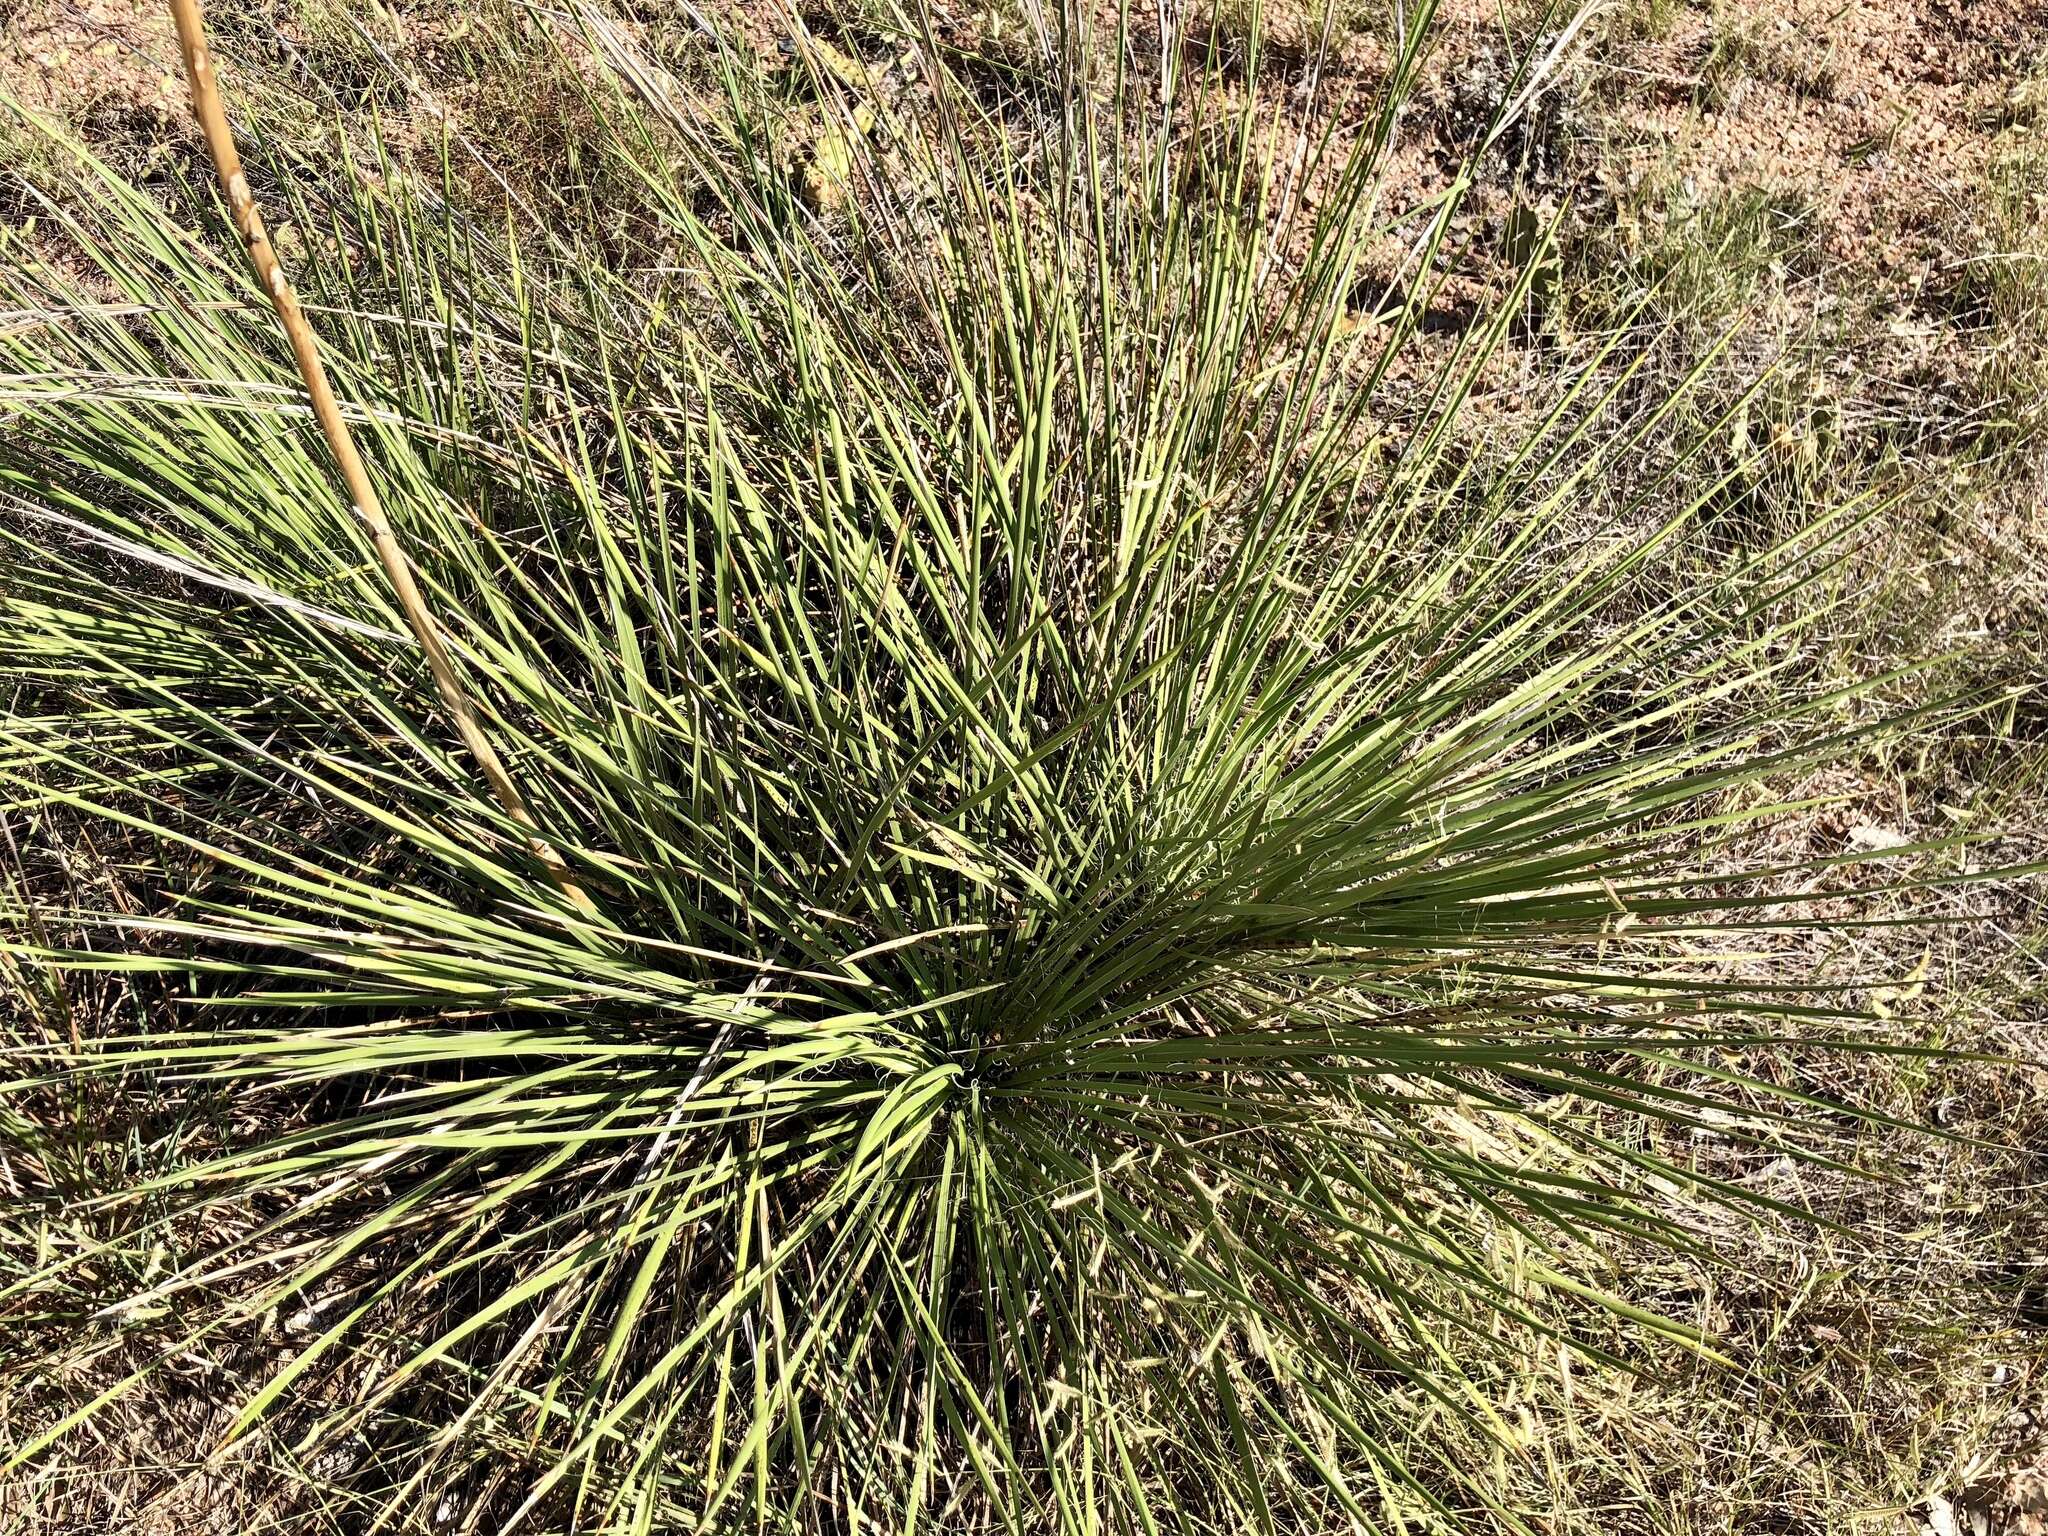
column 1129, row 915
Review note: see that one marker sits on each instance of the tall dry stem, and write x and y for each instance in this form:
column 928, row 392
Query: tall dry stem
column 220, row 143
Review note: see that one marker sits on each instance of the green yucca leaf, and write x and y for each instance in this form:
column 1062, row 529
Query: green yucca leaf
column 1124, row 862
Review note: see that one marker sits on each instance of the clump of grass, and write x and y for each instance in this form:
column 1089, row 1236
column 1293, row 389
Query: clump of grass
column 1644, row 20
column 2004, row 285
column 1742, row 46
column 1710, row 254
column 1110, row 900
column 1290, row 31
column 1726, row 274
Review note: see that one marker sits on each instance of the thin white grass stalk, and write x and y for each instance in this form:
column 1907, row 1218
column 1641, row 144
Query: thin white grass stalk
column 227, row 162
column 185, row 570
